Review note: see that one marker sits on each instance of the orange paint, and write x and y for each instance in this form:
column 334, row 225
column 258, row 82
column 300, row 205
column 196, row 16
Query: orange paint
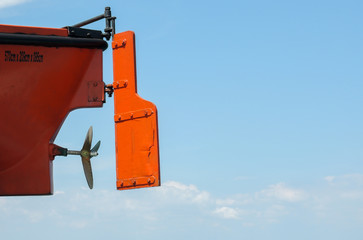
column 137, row 150
column 39, row 86
column 34, row 30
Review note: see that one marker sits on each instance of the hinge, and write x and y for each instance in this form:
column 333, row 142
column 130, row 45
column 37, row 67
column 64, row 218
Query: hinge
column 118, row 44
column 133, row 115
column 133, row 182
column 120, row 84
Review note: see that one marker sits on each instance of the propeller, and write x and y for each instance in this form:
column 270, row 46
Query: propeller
column 86, row 154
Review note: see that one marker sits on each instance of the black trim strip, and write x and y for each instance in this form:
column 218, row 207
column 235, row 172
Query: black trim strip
column 84, row 33
column 52, row 41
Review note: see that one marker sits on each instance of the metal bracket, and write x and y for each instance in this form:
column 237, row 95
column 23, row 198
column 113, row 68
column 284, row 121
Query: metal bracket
column 120, row 84
column 132, row 182
column 142, row 113
column 95, row 91
column 110, row 28
column 109, row 89
column 84, row 33
column 118, row 44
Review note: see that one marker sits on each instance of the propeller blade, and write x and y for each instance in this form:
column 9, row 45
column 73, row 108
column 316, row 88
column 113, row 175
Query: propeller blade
column 88, row 171
column 96, row 147
column 86, row 157
column 88, row 140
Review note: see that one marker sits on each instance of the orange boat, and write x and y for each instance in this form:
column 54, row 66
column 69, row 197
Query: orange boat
column 47, row 72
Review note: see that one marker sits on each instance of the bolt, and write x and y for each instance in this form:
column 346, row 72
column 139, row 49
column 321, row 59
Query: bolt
column 123, row 43
column 95, row 84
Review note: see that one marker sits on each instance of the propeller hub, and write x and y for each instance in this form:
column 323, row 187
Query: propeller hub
column 85, row 153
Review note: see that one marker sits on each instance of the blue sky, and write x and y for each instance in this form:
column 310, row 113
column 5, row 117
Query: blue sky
column 260, row 120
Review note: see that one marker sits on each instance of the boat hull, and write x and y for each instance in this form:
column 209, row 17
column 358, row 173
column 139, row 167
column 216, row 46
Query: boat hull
column 39, row 86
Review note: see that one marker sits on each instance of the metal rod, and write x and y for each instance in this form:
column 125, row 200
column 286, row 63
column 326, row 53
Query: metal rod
column 110, row 23
column 72, row 152
column 113, row 26
column 91, row 20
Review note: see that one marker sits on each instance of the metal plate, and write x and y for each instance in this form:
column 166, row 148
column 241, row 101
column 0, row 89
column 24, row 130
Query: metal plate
column 136, row 125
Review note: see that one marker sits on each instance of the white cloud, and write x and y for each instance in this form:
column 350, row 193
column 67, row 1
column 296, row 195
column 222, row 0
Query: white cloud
column 186, row 193
column 281, row 192
column 227, row 212
column 354, row 178
column 227, row 201
column 329, row 178
column 68, row 208
column 353, row 195
column 174, row 201
column 274, row 212
column 10, row 3
column 238, row 199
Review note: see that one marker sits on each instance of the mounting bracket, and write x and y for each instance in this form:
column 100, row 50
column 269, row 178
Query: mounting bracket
column 110, row 23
